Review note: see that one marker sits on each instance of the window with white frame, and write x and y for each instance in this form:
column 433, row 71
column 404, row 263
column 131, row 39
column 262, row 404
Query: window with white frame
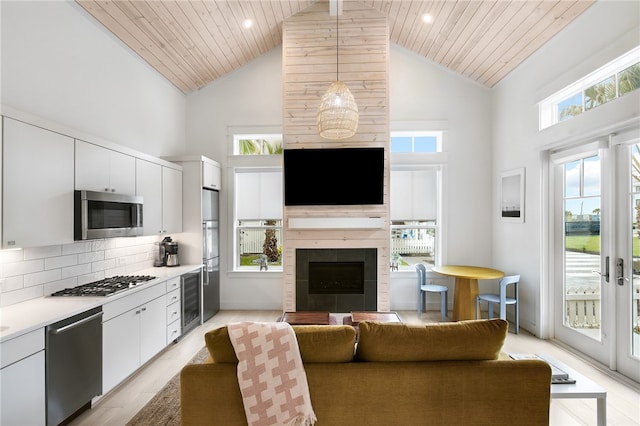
column 615, row 79
column 415, row 197
column 258, row 219
column 257, row 144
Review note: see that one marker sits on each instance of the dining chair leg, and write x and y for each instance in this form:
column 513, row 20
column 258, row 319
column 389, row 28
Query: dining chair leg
column 477, row 307
column 443, row 305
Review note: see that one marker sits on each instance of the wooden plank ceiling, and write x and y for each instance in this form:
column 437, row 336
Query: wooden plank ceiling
column 194, row 42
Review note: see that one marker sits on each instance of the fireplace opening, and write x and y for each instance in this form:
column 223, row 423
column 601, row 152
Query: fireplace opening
column 336, row 277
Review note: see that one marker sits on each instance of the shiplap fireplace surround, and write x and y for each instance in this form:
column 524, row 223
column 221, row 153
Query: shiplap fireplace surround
column 309, row 67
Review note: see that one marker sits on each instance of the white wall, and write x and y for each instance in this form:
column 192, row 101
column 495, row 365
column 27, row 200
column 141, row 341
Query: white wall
column 59, row 65
column 419, row 91
column 577, row 51
column 60, row 68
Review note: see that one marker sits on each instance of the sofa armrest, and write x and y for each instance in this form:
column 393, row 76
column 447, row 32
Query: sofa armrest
column 209, row 394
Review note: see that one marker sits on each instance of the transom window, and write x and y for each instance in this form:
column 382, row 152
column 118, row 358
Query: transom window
column 615, row 79
column 416, row 141
column 257, row 144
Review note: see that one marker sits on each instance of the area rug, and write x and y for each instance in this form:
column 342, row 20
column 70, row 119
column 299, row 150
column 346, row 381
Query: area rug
column 164, row 407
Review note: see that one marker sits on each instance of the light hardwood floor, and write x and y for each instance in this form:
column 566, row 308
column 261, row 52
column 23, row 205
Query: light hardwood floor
column 120, row 405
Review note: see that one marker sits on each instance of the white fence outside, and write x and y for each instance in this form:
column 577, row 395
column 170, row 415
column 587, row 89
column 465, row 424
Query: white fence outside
column 251, row 241
column 583, row 306
column 423, row 245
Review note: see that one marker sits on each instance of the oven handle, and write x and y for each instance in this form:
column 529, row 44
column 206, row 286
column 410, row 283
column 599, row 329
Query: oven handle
column 75, row 324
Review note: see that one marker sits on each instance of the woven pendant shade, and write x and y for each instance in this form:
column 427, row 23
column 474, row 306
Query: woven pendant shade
column 337, row 116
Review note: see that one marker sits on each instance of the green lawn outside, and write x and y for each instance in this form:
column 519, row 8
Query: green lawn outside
column 591, row 244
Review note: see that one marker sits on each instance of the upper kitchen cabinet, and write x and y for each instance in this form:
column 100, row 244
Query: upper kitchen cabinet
column 149, row 186
column 37, row 189
column 161, row 190
column 102, row 169
column 211, row 175
column 172, row 199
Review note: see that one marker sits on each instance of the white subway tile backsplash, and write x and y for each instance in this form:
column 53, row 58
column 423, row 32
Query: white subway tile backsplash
column 41, row 277
column 11, row 283
column 42, row 252
column 15, row 255
column 92, row 256
column 54, row 286
column 77, row 247
column 61, row 261
column 89, row 278
column 17, row 296
column 33, row 272
column 74, row 271
column 22, row 268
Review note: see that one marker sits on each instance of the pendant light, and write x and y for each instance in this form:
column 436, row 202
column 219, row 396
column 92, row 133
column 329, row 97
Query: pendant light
column 337, row 116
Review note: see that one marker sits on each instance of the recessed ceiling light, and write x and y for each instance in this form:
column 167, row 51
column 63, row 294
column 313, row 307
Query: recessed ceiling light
column 248, row 23
column 427, row 18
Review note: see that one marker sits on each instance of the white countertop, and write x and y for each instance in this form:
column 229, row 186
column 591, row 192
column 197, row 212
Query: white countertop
column 24, row 317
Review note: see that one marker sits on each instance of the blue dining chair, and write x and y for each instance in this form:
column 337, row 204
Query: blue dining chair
column 502, row 299
column 424, row 288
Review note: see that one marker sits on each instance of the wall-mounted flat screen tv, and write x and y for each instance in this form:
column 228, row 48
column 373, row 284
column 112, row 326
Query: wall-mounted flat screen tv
column 333, row 176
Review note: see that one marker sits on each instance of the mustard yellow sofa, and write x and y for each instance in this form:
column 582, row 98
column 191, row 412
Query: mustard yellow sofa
column 396, row 374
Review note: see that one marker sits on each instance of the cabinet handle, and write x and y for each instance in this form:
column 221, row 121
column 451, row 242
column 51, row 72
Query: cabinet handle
column 137, row 312
column 144, row 309
column 106, row 190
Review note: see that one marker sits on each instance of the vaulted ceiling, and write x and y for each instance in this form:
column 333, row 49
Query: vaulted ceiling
column 194, row 42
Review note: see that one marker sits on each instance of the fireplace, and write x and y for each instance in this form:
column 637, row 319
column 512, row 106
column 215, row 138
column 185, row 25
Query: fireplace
column 336, row 280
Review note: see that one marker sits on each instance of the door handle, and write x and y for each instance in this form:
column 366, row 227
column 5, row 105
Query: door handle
column 606, row 270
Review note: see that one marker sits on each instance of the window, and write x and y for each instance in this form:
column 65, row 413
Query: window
column 416, row 141
column 612, row 81
column 415, row 198
column 257, row 144
column 258, row 219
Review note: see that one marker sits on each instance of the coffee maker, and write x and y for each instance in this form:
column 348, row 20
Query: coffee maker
column 167, row 253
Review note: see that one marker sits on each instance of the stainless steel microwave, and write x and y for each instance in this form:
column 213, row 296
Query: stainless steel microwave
column 106, row 215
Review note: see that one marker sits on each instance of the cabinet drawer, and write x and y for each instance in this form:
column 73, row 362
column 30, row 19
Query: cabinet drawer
column 20, row 347
column 173, row 331
column 173, row 297
column 130, row 301
column 173, row 312
column 173, row 284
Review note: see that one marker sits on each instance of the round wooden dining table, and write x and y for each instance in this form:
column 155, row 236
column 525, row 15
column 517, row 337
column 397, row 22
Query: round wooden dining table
column 466, row 287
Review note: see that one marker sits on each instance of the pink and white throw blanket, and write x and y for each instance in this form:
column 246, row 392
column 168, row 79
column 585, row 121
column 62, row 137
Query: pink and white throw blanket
column 271, row 375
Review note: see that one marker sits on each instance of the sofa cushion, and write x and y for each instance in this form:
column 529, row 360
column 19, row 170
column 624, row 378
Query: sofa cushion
column 317, row 343
column 463, row 340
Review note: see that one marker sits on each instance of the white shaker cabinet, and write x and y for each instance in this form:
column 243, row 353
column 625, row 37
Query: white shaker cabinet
column 22, row 380
column 134, row 329
column 211, row 175
column 161, row 191
column 171, row 199
column 38, row 186
column 102, row 169
column 149, row 186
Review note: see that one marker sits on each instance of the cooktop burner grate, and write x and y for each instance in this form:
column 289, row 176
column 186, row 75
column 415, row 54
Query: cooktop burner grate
column 105, row 287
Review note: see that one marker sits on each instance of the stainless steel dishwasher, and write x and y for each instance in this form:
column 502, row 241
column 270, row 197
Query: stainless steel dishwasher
column 73, row 365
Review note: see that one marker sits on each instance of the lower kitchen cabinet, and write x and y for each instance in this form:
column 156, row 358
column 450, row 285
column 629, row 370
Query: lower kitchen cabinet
column 134, row 331
column 22, row 380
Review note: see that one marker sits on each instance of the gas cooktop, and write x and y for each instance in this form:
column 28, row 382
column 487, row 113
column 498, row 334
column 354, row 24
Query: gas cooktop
column 105, row 287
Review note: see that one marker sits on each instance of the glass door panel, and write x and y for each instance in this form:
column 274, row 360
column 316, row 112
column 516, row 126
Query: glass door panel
column 582, row 286
column 625, row 276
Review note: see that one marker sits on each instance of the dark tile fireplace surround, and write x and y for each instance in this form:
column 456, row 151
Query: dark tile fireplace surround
column 336, row 280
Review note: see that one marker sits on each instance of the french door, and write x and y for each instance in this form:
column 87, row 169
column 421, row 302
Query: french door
column 596, row 232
